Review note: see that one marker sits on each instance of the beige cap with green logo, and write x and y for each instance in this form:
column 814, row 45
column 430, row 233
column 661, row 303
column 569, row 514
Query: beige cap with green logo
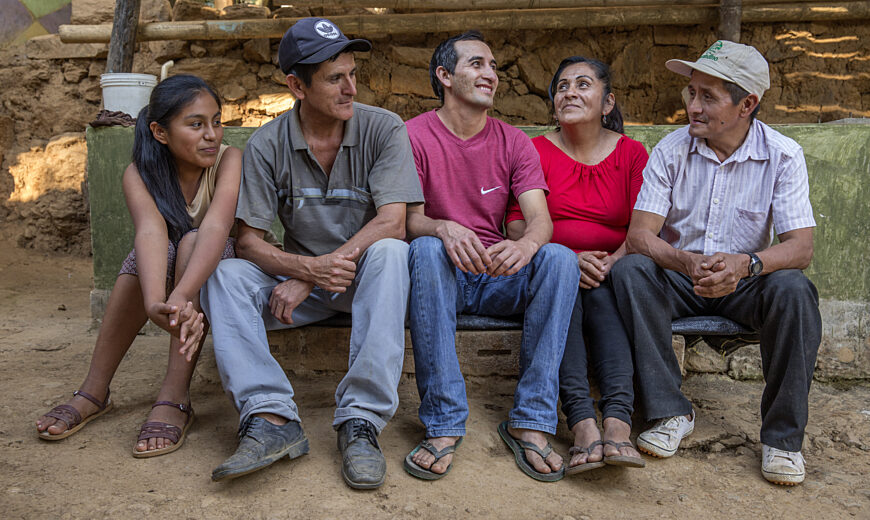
column 729, row 61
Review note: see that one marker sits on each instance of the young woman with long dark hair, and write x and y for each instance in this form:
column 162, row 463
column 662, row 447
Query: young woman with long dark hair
column 181, row 190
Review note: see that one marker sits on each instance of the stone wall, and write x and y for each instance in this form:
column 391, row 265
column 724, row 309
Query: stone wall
column 819, row 71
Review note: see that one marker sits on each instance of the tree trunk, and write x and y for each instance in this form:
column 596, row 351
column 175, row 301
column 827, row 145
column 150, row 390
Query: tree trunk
column 123, row 38
column 730, row 14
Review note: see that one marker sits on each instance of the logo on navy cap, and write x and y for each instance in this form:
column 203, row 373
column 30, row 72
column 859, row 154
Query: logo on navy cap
column 326, row 29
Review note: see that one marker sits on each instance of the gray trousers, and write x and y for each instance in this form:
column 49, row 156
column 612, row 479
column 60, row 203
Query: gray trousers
column 783, row 306
column 236, row 301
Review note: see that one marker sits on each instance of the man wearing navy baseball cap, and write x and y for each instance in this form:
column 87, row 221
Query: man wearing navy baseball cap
column 713, row 194
column 338, row 174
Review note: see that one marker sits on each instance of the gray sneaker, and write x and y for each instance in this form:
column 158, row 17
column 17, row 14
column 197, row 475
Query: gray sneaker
column 260, row 444
column 362, row 463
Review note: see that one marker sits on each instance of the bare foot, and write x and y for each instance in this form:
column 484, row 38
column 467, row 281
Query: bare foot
column 585, row 433
column 551, row 464
column 164, row 414
column 617, row 431
column 425, row 459
column 82, row 405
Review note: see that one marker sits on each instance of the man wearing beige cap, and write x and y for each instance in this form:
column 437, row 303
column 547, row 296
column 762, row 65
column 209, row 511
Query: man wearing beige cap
column 700, row 237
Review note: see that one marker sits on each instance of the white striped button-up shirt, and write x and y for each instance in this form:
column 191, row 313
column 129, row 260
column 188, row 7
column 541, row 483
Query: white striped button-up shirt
column 729, row 206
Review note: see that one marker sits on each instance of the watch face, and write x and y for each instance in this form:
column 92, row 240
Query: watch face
column 755, row 266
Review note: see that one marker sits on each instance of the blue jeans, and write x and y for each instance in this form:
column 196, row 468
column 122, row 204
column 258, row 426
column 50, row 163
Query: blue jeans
column 545, row 290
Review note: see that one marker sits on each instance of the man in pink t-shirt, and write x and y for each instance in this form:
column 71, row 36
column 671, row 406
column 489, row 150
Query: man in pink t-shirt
column 470, row 166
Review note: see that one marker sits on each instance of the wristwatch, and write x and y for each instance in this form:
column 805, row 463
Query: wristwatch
column 755, row 265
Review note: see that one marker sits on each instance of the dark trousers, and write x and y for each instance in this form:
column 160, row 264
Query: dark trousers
column 783, row 306
column 609, row 354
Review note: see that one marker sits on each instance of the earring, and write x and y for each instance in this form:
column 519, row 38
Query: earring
column 604, row 119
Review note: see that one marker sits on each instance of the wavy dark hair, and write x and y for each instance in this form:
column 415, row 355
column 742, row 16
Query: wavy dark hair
column 153, row 159
column 613, row 120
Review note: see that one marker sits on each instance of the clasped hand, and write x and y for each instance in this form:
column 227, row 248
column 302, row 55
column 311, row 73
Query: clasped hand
column 181, row 320
column 716, row 275
column 467, row 253
column 594, row 267
column 333, row 272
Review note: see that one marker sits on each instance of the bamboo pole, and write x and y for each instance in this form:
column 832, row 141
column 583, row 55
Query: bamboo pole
column 447, row 5
column 729, row 20
column 123, row 36
column 535, row 19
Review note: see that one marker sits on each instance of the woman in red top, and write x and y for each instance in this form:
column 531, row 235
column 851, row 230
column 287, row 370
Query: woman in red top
column 594, row 173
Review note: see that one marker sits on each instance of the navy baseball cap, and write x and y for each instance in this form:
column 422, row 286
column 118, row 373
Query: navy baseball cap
column 315, row 40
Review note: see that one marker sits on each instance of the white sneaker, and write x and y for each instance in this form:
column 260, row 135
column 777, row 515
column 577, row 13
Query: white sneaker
column 663, row 439
column 782, row 467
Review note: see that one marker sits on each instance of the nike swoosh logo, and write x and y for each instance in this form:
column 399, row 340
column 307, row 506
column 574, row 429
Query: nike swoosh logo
column 484, row 192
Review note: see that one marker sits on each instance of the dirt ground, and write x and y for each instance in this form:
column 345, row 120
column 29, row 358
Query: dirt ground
column 45, row 347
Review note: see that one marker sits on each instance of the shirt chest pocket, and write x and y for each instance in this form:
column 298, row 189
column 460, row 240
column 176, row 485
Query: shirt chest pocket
column 750, row 231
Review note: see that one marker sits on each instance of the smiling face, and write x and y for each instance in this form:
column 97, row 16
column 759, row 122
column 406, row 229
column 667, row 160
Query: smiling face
column 711, row 111
column 579, row 96
column 194, row 134
column 474, row 79
column 332, row 89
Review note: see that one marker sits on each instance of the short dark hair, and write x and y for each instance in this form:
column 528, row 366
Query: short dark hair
column 737, row 94
column 445, row 56
column 613, row 121
column 305, row 71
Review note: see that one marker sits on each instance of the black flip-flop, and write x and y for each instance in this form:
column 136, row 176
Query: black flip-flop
column 623, row 460
column 586, row 466
column 519, row 446
column 420, row 472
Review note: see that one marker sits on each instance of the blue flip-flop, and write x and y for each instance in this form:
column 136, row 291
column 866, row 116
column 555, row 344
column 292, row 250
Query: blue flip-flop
column 420, row 472
column 519, row 446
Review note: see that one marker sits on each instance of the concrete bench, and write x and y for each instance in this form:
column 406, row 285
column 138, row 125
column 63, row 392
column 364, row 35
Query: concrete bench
column 838, row 159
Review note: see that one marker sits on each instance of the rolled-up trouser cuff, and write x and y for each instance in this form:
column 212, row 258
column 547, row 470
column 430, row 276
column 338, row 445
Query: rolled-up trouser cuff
column 277, row 404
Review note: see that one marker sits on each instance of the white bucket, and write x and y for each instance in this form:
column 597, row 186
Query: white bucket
column 127, row 92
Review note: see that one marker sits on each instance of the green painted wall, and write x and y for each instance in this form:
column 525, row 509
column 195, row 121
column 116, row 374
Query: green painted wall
column 838, row 159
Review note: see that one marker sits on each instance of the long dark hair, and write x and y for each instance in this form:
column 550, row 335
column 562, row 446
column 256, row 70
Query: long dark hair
column 613, row 120
column 153, row 159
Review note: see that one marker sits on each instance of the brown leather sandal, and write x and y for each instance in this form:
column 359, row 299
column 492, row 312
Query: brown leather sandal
column 72, row 418
column 162, row 430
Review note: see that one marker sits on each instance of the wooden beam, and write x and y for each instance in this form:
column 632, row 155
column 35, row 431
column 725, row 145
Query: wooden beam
column 447, row 5
column 730, row 14
column 535, row 19
column 122, row 40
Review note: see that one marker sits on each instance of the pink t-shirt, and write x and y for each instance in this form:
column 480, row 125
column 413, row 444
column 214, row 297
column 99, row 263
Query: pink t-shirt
column 470, row 182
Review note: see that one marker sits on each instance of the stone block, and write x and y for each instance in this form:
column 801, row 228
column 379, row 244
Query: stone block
column 274, row 104
column 412, row 56
column 233, row 92
column 257, row 50
column 49, row 47
column 678, row 343
column 529, row 107
column 746, row 363
column 244, row 12
column 197, row 50
column 74, row 71
column 102, row 11
column 164, row 51
column 407, row 80
column 216, row 71
column 249, row 81
column 191, row 10
column 534, row 74
column 291, row 12
column 702, row 358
